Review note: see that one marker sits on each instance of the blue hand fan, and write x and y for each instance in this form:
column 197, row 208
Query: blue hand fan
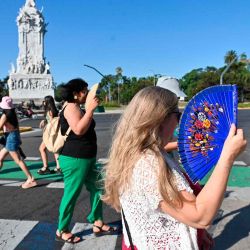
column 204, row 126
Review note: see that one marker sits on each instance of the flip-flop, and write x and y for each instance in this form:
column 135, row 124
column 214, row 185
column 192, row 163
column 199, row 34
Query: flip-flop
column 102, row 232
column 44, row 171
column 56, row 171
column 68, row 240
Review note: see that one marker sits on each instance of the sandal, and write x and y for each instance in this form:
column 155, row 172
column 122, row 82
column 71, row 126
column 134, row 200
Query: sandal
column 102, row 232
column 43, row 171
column 56, row 171
column 29, row 184
column 72, row 239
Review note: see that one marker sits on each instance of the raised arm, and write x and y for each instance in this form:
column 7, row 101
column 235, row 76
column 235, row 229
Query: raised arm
column 199, row 211
column 171, row 146
column 80, row 123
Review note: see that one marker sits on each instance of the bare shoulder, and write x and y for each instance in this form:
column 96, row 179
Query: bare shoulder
column 3, row 117
column 71, row 110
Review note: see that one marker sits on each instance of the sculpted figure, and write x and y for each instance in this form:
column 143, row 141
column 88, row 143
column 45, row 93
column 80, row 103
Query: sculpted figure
column 47, row 68
column 30, row 3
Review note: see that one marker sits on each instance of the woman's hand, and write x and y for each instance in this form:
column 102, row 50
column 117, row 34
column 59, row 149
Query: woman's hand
column 92, row 104
column 234, row 144
column 42, row 124
column 171, row 146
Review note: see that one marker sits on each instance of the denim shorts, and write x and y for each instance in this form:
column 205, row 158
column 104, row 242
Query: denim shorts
column 13, row 140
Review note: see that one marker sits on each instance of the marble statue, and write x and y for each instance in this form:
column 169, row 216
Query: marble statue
column 31, row 78
column 30, row 3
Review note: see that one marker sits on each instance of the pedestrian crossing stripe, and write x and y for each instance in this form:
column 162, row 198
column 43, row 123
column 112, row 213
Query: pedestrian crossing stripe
column 240, row 163
column 29, row 235
column 55, row 185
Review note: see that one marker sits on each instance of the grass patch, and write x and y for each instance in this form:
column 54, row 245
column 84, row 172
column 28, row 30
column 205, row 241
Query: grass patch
column 244, row 105
column 111, row 104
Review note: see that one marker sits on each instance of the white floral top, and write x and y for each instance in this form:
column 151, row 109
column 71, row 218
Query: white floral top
column 149, row 227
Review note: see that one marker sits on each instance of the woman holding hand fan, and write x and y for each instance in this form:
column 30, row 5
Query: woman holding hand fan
column 159, row 205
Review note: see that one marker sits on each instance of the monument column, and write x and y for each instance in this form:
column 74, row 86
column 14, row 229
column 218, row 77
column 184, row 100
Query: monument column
column 32, row 78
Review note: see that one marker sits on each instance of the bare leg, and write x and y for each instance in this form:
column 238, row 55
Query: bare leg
column 30, row 182
column 44, row 155
column 16, row 157
column 57, row 162
column 3, row 154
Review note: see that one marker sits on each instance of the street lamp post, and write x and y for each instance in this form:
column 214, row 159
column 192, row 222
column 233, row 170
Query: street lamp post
column 99, row 74
column 226, row 69
column 155, row 76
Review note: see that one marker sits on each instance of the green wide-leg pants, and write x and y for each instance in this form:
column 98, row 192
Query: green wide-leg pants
column 76, row 172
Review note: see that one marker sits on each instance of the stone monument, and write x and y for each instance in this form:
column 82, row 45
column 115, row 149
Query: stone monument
column 31, row 79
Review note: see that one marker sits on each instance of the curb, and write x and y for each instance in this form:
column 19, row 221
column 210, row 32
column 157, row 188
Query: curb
column 25, row 129
column 21, row 129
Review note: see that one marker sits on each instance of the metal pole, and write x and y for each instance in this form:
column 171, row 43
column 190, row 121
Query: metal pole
column 100, row 74
column 118, row 93
column 226, row 69
column 154, row 75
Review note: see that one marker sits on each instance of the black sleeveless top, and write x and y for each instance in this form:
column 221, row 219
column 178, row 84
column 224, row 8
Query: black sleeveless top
column 78, row 146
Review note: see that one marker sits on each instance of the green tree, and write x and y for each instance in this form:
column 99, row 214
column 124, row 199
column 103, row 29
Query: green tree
column 230, row 56
column 4, row 87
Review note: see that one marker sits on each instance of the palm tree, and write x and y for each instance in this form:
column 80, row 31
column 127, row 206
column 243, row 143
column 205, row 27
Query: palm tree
column 118, row 71
column 243, row 57
column 230, row 56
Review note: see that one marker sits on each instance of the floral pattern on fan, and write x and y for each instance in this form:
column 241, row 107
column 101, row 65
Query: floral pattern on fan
column 203, row 122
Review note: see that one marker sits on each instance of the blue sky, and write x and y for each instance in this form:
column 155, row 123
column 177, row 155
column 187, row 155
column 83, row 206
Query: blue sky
column 141, row 36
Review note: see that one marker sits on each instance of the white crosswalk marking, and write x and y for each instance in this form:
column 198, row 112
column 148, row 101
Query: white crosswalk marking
column 90, row 241
column 11, row 183
column 240, row 163
column 31, row 158
column 103, row 160
column 55, row 185
column 12, row 232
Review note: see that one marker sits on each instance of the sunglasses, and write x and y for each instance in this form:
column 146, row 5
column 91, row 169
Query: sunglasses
column 178, row 115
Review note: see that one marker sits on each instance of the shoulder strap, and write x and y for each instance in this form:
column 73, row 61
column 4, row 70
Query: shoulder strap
column 128, row 232
column 69, row 129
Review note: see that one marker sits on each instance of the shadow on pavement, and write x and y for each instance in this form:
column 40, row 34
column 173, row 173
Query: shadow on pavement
column 235, row 230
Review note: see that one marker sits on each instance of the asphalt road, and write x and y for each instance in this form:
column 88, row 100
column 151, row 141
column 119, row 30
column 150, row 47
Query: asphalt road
column 45, row 202
column 41, row 203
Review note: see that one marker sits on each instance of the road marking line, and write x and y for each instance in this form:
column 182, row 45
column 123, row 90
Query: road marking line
column 55, row 185
column 21, row 233
column 11, row 183
column 31, row 158
column 240, row 163
column 12, row 232
column 3, row 182
column 89, row 240
column 238, row 193
column 102, row 160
